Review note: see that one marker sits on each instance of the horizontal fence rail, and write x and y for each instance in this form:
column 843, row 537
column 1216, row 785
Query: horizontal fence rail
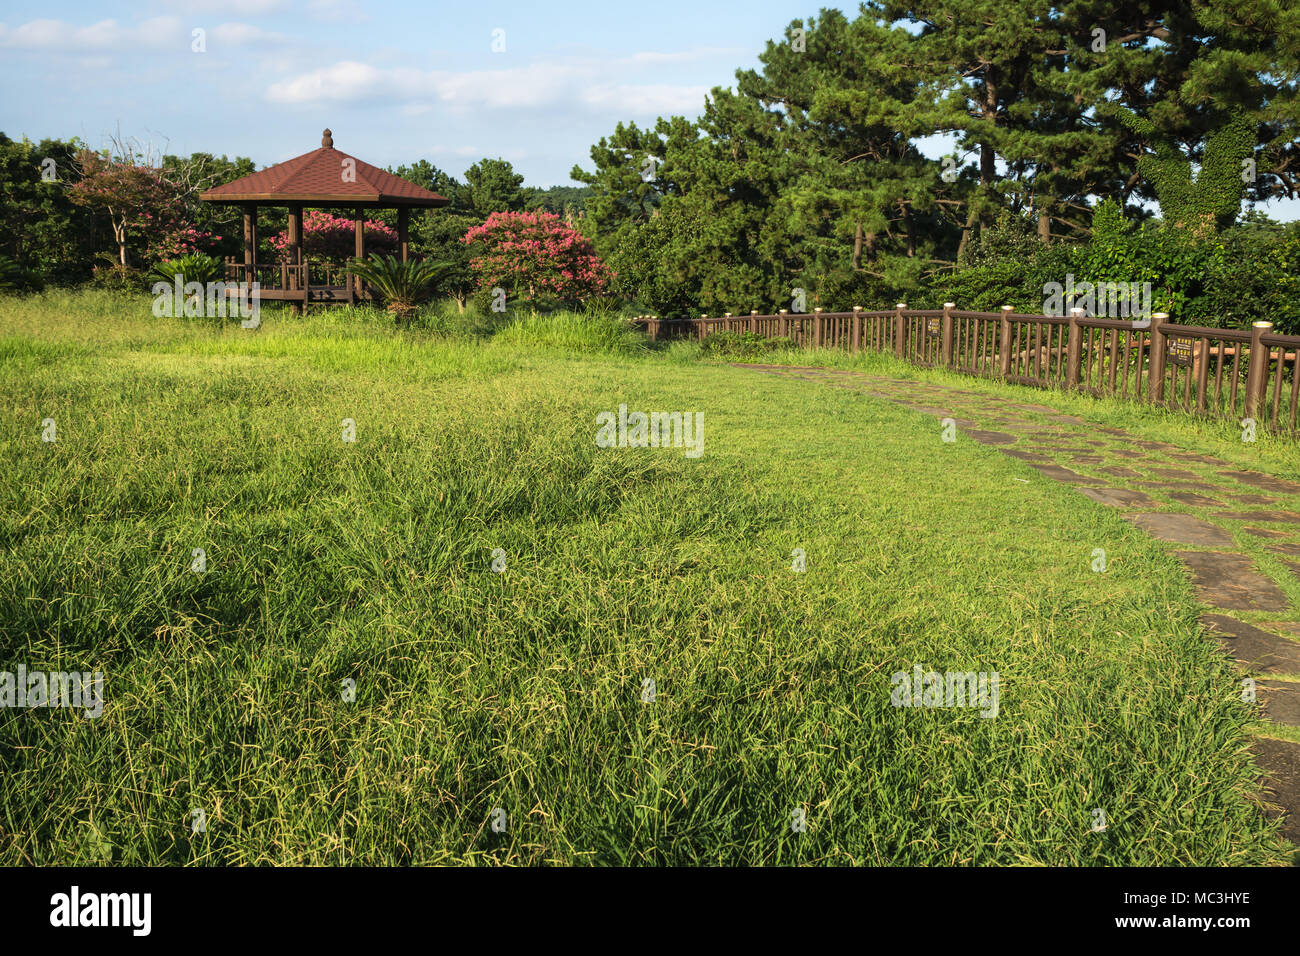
column 1225, row 373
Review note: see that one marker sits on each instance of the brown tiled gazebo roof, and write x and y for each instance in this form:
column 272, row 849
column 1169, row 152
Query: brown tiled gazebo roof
column 317, row 178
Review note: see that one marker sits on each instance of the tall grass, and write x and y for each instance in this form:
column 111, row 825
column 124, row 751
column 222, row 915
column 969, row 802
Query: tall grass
column 574, row 332
column 372, row 562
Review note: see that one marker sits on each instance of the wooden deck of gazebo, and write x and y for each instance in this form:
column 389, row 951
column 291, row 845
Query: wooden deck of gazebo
column 323, row 178
column 291, row 282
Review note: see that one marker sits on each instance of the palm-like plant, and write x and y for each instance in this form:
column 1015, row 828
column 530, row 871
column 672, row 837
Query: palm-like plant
column 402, row 285
column 195, row 267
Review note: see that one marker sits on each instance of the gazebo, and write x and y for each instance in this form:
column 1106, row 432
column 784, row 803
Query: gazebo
column 324, row 177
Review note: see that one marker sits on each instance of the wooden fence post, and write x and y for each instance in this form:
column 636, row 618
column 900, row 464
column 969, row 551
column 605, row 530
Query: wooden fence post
column 785, row 323
column 701, row 325
column 1004, row 343
column 900, row 330
column 819, row 334
column 947, row 333
column 1156, row 360
column 857, row 328
column 1073, row 350
column 1257, row 371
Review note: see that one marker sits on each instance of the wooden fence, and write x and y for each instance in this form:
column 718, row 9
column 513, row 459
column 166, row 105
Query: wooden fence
column 1231, row 373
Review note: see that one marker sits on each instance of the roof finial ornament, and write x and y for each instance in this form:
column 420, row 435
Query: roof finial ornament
column 327, row 139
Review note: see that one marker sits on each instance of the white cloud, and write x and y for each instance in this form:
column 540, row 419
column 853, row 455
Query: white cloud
column 243, row 8
column 658, row 98
column 338, row 11
column 245, row 34
column 344, row 82
column 590, row 83
column 104, row 35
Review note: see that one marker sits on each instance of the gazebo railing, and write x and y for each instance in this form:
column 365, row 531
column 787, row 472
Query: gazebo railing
column 312, row 280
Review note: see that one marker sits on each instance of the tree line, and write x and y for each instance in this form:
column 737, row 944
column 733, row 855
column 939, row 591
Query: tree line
column 810, row 174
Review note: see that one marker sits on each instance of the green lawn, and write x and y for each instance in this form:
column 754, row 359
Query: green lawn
column 371, row 561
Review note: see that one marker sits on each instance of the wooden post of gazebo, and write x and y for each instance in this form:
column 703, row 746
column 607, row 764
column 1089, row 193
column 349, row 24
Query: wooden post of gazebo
column 295, row 230
column 297, row 239
column 403, row 230
column 359, row 228
column 250, row 243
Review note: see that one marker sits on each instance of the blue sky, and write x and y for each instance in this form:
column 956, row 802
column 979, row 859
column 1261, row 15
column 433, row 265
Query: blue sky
column 395, row 81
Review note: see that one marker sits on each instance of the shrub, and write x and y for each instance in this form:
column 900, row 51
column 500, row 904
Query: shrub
column 114, row 277
column 732, row 345
column 538, row 258
column 402, row 285
column 14, row 278
column 195, row 267
column 1252, row 275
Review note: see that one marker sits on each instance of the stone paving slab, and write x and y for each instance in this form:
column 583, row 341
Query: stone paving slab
column 1281, row 701
column 1157, row 446
column 1267, row 482
column 1181, row 529
column 1119, row 471
column 1254, row 499
column 991, row 438
column 1282, row 517
column 1048, row 444
column 1116, row 497
column 1059, row 473
column 1280, row 762
column 1268, row 532
column 1192, row 498
column 1024, row 455
column 1260, row 651
column 1227, row 580
column 1176, row 485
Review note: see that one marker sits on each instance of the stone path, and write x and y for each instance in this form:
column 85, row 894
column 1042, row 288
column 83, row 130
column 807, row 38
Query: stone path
column 1200, row 504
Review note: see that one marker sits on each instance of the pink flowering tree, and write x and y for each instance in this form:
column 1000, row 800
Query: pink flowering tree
column 143, row 207
column 537, row 256
column 333, row 239
column 180, row 240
